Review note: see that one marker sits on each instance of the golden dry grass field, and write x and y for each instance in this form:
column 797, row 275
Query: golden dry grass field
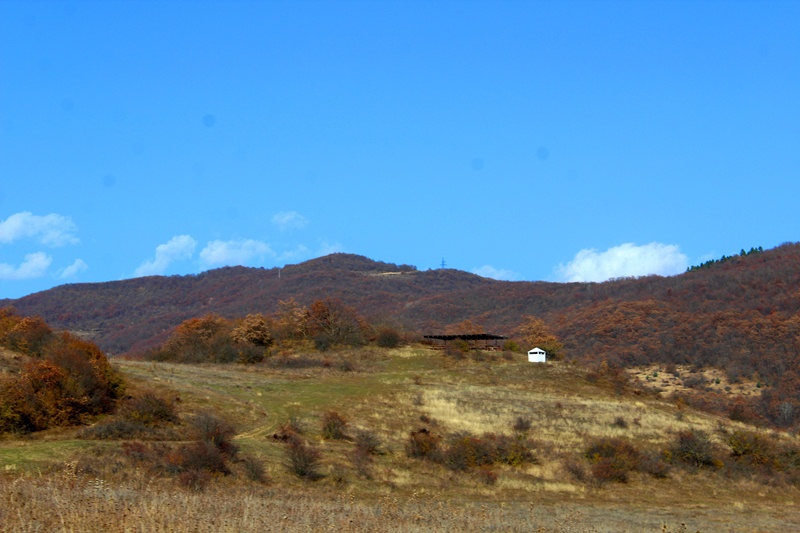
column 57, row 481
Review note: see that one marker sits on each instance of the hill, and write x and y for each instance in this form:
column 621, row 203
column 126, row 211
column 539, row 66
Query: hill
column 425, row 442
column 368, row 438
column 741, row 314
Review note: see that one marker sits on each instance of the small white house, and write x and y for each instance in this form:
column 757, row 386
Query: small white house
column 537, row 355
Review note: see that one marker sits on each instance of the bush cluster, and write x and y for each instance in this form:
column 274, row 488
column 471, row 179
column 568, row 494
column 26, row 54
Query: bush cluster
column 463, row 451
column 195, row 464
column 613, row 459
column 302, row 458
column 144, row 417
column 325, row 324
column 65, row 381
column 694, row 448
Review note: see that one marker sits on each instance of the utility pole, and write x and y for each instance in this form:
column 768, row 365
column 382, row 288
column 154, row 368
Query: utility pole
column 444, row 265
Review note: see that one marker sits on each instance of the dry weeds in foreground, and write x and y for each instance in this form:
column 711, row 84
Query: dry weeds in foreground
column 69, row 502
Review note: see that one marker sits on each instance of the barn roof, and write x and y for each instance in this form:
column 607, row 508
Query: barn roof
column 466, row 337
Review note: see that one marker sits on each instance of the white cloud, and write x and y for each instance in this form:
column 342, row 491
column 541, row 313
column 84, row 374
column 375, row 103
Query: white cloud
column 177, row 248
column 488, row 271
column 228, row 253
column 327, row 248
column 34, row 266
column 50, row 230
column 74, row 269
column 624, row 260
column 299, row 253
column 289, row 220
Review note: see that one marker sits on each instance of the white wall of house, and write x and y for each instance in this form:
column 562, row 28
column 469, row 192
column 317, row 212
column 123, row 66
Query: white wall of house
column 537, row 355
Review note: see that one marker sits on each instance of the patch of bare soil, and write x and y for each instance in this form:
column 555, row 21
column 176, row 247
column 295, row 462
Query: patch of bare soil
column 681, row 378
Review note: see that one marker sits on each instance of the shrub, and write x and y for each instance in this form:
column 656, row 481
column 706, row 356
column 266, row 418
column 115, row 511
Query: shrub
column 197, row 340
column 742, row 411
column 362, row 461
column 253, row 469
column 203, row 456
column 329, row 322
column 302, row 458
column 654, row 464
column 522, row 424
column 465, row 452
column 149, row 409
column 367, row 441
column 511, row 450
column 333, row 426
column 605, row 469
column 612, row 459
column 253, row 330
column 576, row 469
column 216, row 432
column 387, row 338
column 194, row 480
column 70, row 382
column 694, row 448
column 28, row 335
column 620, row 422
column 422, row 444
column 752, row 448
column 511, row 346
column 120, row 429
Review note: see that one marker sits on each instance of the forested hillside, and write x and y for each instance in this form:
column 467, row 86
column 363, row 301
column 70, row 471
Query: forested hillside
column 740, row 314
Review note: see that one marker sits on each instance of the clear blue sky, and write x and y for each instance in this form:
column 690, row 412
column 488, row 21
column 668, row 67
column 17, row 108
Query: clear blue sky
column 520, row 140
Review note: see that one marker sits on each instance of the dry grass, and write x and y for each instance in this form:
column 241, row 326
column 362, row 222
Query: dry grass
column 389, row 396
column 655, row 376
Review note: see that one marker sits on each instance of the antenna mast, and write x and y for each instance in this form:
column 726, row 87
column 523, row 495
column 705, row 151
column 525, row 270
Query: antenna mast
column 444, row 265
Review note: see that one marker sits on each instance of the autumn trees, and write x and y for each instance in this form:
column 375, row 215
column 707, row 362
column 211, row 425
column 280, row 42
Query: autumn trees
column 212, row 338
column 533, row 332
column 61, row 380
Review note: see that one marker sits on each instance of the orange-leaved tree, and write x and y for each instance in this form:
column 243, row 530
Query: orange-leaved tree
column 533, row 333
column 68, row 380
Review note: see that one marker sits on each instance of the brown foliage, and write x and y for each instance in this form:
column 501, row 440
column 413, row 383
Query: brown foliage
column 612, row 459
column 253, row 329
column 71, row 380
column 333, row 425
column 330, row 322
column 533, row 332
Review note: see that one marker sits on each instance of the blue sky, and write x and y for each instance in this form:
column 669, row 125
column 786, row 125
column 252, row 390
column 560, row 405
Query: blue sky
column 519, row 140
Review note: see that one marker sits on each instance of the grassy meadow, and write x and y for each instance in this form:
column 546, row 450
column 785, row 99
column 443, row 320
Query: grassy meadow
column 58, row 480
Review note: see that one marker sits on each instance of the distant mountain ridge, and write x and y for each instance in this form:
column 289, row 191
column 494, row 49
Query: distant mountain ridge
column 742, row 314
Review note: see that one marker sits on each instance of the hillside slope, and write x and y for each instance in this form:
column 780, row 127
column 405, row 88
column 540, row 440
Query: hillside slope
column 479, row 415
column 742, row 314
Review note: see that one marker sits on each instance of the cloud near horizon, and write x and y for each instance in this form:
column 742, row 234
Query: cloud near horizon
column 624, row 260
column 231, row 253
column 74, row 269
column 50, row 230
column 34, row 266
column 178, row 248
column 488, row 271
column 289, row 220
